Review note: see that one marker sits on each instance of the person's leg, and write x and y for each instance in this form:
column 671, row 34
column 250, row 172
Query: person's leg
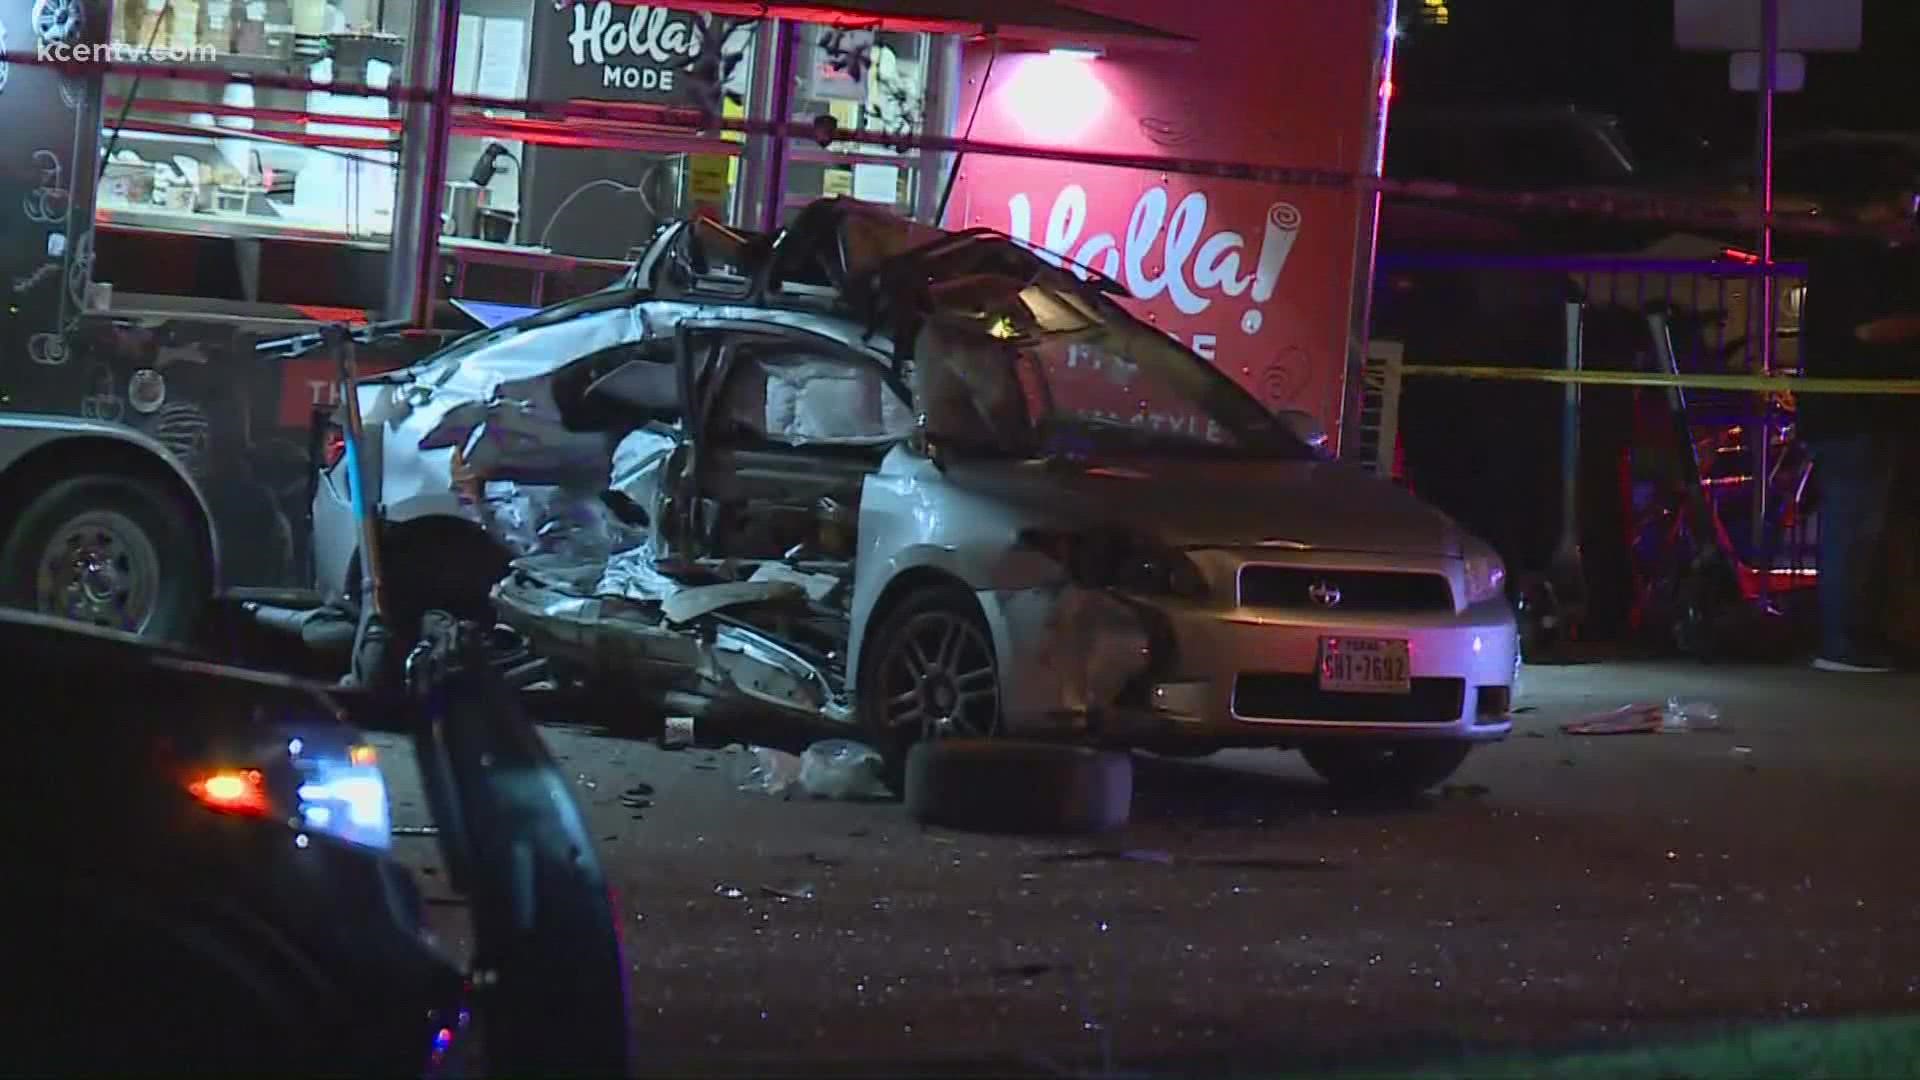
column 1847, row 536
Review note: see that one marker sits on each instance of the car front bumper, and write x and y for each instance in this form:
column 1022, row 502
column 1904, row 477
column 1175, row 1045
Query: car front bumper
column 1166, row 673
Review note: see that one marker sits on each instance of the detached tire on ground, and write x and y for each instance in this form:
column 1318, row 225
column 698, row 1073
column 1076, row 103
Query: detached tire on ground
column 1006, row 785
column 1366, row 767
column 109, row 549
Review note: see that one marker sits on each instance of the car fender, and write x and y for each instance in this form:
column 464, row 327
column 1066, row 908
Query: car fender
column 912, row 522
column 25, row 437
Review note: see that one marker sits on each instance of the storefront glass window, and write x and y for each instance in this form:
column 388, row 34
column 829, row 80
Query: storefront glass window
column 601, row 188
column 242, row 158
column 869, row 82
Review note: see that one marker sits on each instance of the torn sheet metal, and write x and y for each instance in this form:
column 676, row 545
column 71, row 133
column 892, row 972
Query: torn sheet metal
column 502, row 386
column 637, row 644
column 631, row 575
column 760, row 668
column 640, row 464
column 817, row 586
column 532, row 519
column 696, row 601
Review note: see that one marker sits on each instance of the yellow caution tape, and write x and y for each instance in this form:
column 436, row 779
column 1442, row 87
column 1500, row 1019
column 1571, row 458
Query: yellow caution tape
column 1765, row 384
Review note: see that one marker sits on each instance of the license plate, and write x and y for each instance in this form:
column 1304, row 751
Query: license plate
column 1355, row 665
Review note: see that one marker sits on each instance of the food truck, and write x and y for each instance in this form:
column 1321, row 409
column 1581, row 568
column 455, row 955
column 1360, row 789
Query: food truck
column 188, row 177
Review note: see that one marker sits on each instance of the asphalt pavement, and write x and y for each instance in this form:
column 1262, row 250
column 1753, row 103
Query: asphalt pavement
column 1564, row 890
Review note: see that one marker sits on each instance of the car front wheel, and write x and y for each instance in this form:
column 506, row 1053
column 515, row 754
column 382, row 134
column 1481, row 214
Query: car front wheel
column 1386, row 768
column 930, row 674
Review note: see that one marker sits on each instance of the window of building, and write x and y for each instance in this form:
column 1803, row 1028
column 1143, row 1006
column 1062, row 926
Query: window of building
column 873, row 83
column 235, row 157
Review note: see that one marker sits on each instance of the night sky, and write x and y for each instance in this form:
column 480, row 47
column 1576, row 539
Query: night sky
column 1617, row 56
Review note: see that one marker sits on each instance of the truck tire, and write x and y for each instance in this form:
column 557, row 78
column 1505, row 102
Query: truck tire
column 1007, row 785
column 109, row 549
column 1387, row 769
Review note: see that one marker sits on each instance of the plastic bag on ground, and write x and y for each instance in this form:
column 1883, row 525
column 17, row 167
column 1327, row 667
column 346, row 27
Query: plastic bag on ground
column 1690, row 716
column 773, row 772
column 842, row 769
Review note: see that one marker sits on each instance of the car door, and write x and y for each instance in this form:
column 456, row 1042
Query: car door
column 790, row 424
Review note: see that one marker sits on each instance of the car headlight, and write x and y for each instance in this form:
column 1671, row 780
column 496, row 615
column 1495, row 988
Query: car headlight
column 1486, row 576
column 1116, row 559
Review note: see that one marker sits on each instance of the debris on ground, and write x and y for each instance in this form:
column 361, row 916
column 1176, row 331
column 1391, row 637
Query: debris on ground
column 788, row 893
column 1162, row 858
column 1674, row 717
column 1269, row 862
column 1022, row 971
column 1682, row 715
column 842, row 769
column 1464, row 791
column 678, row 733
column 773, row 772
column 1108, row 855
column 728, row 892
column 415, row 830
column 830, row 769
column 1625, row 720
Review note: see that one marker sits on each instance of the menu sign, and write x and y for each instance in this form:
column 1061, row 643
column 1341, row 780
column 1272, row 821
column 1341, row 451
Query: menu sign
column 594, row 202
column 600, row 50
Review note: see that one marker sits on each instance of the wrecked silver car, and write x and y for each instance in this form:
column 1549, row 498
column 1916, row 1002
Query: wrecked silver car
column 915, row 483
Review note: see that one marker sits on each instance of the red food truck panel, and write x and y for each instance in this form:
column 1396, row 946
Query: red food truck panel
column 1256, row 277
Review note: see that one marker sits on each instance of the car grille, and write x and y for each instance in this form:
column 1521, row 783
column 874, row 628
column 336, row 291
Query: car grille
column 1293, row 588
column 1299, row 697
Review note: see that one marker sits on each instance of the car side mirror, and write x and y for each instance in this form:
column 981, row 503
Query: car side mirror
column 1306, row 427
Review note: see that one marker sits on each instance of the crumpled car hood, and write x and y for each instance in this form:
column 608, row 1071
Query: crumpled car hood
column 1324, row 506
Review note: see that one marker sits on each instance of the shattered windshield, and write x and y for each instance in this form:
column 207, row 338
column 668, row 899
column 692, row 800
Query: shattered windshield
column 1048, row 367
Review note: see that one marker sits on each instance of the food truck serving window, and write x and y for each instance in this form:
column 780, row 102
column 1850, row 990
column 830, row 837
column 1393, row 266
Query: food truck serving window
column 241, row 157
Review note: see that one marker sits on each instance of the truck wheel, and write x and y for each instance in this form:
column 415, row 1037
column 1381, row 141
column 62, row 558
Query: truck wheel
column 931, row 675
column 1007, row 785
column 1385, row 768
column 111, row 550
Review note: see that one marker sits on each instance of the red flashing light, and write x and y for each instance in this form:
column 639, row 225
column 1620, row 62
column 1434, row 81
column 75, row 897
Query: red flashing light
column 1736, row 255
column 233, row 791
